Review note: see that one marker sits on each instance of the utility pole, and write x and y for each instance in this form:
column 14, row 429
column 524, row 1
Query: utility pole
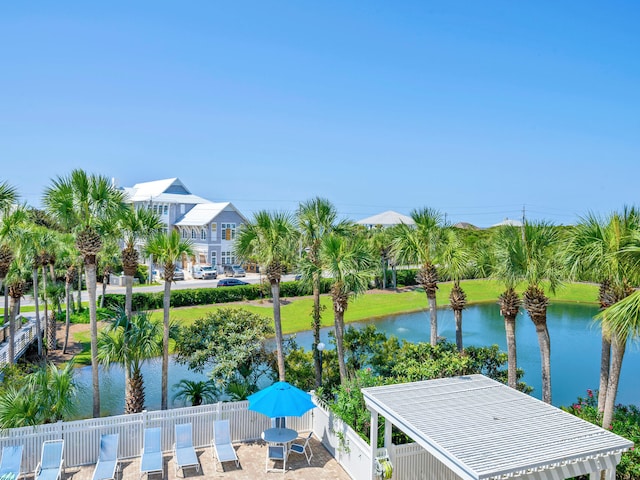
column 523, row 221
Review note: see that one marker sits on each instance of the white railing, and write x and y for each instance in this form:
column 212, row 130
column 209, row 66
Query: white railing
column 23, row 338
column 82, row 437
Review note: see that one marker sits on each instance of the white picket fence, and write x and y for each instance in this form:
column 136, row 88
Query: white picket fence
column 82, row 437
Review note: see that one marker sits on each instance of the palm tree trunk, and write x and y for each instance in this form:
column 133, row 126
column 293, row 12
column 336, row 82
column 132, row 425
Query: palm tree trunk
column 394, row 276
column 618, row 348
column 317, row 361
column 339, row 324
column 458, row 316
column 80, row 289
column 128, row 282
column 50, row 344
column 93, row 320
column 433, row 317
column 512, row 363
column 36, row 302
column 277, row 322
column 67, row 295
column 105, row 279
column 12, row 330
column 384, row 273
column 605, row 361
column 165, row 343
column 544, row 342
column 6, row 303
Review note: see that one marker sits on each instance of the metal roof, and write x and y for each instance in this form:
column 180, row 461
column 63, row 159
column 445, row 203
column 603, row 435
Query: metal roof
column 204, row 213
column 482, row 429
column 387, row 219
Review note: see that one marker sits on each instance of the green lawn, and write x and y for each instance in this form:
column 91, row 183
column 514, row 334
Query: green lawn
column 296, row 314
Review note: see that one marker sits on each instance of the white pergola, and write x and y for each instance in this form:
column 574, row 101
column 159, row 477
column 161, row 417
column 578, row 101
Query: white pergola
column 481, row 429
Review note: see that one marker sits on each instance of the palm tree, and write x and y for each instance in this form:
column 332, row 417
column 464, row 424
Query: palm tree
column 82, row 204
column 8, row 197
column 136, row 225
column 167, row 249
column 594, row 252
column 195, row 392
column 16, row 284
column 352, row 265
column 67, row 257
column 420, row 244
column 456, row 264
column 271, row 241
column 316, row 219
column 622, row 321
column 507, row 269
column 131, row 341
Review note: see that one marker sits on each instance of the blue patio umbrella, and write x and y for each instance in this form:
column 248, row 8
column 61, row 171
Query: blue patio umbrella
column 281, row 400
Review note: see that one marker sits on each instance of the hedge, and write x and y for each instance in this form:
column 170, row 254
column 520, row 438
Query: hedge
column 206, row 296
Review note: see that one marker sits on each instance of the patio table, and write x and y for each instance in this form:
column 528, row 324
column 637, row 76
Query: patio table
column 280, row 436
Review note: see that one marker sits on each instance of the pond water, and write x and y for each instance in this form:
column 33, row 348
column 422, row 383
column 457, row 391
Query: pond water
column 575, row 354
column 575, row 345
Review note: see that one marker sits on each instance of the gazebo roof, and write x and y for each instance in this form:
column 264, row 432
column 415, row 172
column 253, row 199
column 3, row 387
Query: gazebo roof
column 387, row 219
column 482, row 429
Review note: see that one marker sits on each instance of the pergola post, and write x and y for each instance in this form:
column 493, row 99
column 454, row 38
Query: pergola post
column 373, row 439
column 387, row 432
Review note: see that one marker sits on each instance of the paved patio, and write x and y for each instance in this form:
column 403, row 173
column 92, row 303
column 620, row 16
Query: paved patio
column 252, row 466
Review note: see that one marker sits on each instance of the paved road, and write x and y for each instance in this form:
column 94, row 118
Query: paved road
column 179, row 285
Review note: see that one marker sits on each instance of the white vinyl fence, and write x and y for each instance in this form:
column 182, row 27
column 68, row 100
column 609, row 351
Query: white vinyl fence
column 82, row 437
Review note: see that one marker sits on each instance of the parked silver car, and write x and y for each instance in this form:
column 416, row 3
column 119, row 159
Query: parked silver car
column 204, row 272
column 234, row 271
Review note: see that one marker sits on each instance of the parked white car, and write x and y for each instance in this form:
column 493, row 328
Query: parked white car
column 204, row 272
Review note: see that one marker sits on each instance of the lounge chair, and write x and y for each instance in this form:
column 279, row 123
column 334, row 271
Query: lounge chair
column 303, row 448
column 151, row 452
column 50, row 466
column 108, row 457
column 276, row 452
column 11, row 462
column 222, row 446
column 185, row 454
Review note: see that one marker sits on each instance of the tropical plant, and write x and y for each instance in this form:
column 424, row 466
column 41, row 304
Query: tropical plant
column 456, row 264
column 270, row 240
column 82, row 204
column 167, row 249
column 195, row 392
column 131, row 341
column 420, row 244
column 46, row 395
column 622, row 321
column 595, row 251
column 351, row 264
column 316, row 218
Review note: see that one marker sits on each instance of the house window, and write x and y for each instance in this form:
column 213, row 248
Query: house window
column 184, row 233
column 214, row 259
column 193, row 233
column 214, row 231
column 165, row 209
column 228, row 258
column 228, row 231
column 203, row 234
column 182, row 208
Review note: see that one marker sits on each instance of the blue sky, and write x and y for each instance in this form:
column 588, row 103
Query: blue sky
column 475, row 108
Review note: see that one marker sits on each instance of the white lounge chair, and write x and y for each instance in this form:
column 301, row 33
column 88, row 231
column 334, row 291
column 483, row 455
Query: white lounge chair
column 185, row 454
column 151, row 461
column 276, row 452
column 303, row 449
column 11, row 462
column 108, row 458
column 50, row 466
column 222, row 446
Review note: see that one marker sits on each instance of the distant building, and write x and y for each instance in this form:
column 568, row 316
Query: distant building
column 386, row 219
column 212, row 227
column 508, row 222
column 466, row 226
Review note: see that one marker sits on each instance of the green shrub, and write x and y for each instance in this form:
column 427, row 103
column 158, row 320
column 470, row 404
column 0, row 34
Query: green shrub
column 626, row 423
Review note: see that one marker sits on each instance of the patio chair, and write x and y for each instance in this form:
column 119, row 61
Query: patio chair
column 185, row 454
column 304, row 448
column 11, row 462
column 222, row 447
column 151, row 461
column 50, row 466
column 278, row 453
column 279, row 422
column 107, row 458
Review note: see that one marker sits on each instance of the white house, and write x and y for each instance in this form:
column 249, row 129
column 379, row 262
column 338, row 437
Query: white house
column 211, row 226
